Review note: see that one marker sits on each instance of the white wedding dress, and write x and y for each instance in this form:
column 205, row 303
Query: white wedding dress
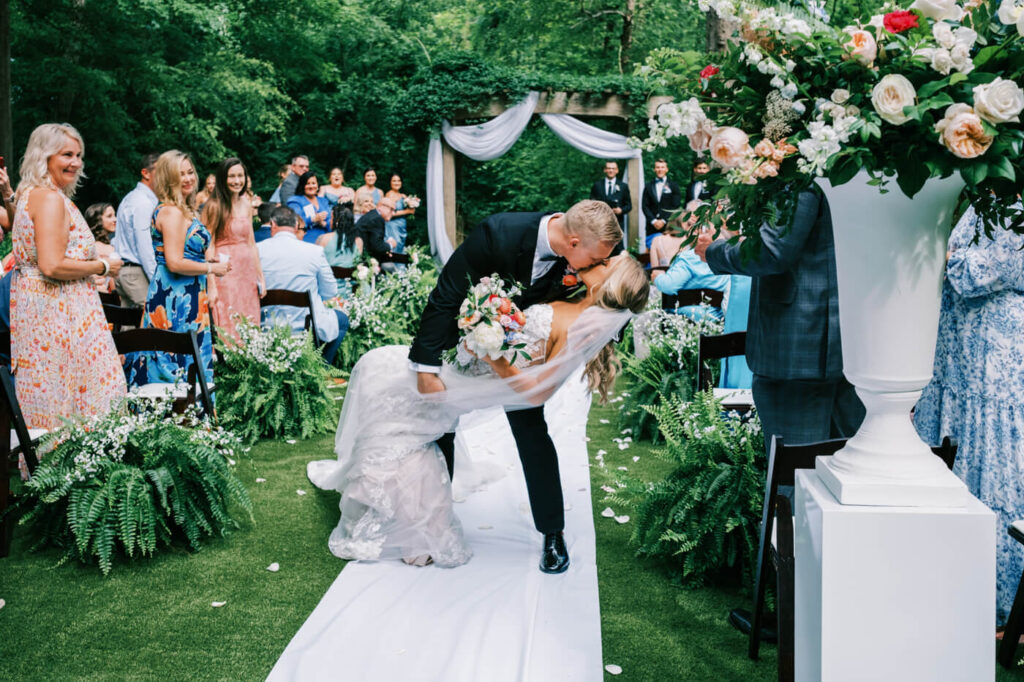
column 396, row 499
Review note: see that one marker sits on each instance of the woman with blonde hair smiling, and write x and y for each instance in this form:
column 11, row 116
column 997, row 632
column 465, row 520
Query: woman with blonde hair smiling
column 62, row 353
column 177, row 298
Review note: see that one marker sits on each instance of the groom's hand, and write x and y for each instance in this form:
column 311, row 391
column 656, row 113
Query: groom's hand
column 428, row 382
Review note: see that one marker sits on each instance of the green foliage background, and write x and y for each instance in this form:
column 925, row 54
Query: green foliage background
column 347, row 83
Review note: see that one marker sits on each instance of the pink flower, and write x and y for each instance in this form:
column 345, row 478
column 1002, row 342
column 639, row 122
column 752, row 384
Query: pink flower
column 764, row 148
column 962, row 133
column 701, row 138
column 730, row 147
column 862, row 47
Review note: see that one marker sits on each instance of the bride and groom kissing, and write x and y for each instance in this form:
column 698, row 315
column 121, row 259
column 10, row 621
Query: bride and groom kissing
column 395, row 438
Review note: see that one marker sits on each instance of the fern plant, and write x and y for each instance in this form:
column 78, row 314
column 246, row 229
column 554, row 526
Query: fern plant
column 705, row 516
column 133, row 481
column 667, row 368
column 273, row 384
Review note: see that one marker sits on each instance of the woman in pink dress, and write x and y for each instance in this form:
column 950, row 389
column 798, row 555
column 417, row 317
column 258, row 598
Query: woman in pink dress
column 61, row 350
column 228, row 216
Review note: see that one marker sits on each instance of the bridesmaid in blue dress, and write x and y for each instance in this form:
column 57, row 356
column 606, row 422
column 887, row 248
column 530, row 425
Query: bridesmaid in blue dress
column 977, row 392
column 177, row 298
column 397, row 227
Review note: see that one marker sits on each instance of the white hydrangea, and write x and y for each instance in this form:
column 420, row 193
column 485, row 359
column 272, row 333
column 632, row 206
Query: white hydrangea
column 680, row 118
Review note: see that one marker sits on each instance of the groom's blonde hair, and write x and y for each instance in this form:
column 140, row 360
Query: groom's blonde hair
column 593, row 222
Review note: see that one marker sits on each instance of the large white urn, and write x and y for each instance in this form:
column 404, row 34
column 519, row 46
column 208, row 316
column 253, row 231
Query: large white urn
column 890, row 257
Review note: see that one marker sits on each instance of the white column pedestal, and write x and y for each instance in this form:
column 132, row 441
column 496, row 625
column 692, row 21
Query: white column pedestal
column 893, row 593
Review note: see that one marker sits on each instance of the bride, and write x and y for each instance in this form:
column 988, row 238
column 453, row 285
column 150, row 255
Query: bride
column 396, row 494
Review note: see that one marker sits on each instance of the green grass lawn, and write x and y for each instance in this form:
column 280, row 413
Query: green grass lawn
column 152, row 619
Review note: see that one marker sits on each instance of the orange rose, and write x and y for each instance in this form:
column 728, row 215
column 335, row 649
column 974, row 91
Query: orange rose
column 506, row 306
column 570, row 281
column 520, row 317
column 962, row 132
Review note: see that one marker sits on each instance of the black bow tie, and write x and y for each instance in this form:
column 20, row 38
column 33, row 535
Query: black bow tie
column 549, row 258
column 660, row 179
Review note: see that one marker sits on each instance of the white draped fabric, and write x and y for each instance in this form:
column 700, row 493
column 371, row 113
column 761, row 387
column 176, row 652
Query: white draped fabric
column 497, row 618
column 490, row 140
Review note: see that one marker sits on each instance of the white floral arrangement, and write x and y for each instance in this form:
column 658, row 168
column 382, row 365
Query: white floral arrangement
column 272, row 348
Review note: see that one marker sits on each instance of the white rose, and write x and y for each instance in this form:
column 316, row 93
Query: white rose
column 487, row 338
column 777, row 83
column 938, row 9
column 961, row 56
column 943, row 34
column 839, row 96
column 966, row 36
column 730, row 147
column 1010, row 12
column 942, row 61
column 890, row 95
column 1000, row 101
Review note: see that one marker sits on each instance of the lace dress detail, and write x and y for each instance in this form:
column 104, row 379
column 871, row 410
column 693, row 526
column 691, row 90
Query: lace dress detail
column 396, row 498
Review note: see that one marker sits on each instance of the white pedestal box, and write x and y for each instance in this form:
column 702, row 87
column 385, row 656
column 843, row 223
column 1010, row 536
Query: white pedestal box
column 904, row 594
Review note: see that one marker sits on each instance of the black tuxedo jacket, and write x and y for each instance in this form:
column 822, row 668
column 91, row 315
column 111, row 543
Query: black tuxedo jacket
column 370, row 227
column 619, row 198
column 504, row 244
column 703, row 194
column 671, row 198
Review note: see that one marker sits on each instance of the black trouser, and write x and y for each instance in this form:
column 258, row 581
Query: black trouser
column 540, row 466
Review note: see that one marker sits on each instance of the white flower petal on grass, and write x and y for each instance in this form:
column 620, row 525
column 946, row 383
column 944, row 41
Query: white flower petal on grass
column 339, row 397
column 612, row 669
column 623, row 446
column 231, row 461
column 608, row 489
column 604, row 421
column 608, row 512
column 601, row 453
column 300, row 491
column 261, row 480
column 636, row 459
column 622, row 519
column 217, row 604
column 290, row 442
column 2, row 603
column 627, row 432
column 586, row 438
column 274, row 567
column 623, row 469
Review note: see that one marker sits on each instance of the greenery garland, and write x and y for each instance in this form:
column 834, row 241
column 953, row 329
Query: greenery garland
column 273, row 384
column 133, row 481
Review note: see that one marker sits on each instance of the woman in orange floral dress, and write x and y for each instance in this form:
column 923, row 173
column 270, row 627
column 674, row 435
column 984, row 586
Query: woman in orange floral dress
column 62, row 353
column 177, row 297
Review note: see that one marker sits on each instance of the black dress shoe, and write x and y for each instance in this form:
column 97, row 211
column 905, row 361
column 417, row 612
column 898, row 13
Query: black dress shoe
column 554, row 558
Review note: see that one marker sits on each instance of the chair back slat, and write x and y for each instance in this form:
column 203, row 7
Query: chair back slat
column 295, row 299
column 402, row 258
column 5, row 343
column 688, row 297
column 342, row 273
column 176, row 343
column 716, row 347
column 120, row 316
column 110, row 298
column 16, row 421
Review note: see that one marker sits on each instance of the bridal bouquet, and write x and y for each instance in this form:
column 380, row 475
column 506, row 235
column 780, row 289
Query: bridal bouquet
column 927, row 89
column 490, row 323
column 412, row 201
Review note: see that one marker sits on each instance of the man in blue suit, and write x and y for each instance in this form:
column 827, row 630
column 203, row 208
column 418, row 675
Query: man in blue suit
column 793, row 343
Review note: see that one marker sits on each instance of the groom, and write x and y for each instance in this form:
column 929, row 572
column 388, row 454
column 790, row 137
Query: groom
column 533, row 249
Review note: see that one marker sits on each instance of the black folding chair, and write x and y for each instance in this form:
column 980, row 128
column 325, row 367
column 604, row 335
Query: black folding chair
column 1015, row 623
column 402, row 258
column 716, row 347
column 110, row 299
column 295, row 299
column 119, row 316
column 688, row 297
column 176, row 343
column 15, row 439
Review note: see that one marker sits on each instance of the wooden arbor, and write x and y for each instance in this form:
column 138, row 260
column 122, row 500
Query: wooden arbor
column 581, row 105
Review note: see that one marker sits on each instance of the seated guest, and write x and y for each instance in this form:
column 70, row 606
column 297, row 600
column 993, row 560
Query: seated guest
column 688, row 271
column 263, row 231
column 342, row 245
column 314, row 210
column 977, row 391
column 735, row 370
column 292, row 264
column 666, row 245
column 371, row 228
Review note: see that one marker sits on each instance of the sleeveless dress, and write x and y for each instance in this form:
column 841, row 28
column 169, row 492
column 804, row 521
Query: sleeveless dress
column 178, row 303
column 397, row 228
column 61, row 349
column 342, row 258
column 396, row 498
column 236, row 291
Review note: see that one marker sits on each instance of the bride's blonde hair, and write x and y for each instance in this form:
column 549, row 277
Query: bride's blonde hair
column 626, row 287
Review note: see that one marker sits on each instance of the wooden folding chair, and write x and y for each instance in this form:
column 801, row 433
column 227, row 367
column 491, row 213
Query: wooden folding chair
column 295, row 299
column 688, row 297
column 176, row 343
column 119, row 316
column 15, row 438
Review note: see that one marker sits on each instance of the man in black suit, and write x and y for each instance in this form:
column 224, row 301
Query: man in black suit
column 534, row 250
column 699, row 188
column 661, row 198
column 370, row 227
column 614, row 193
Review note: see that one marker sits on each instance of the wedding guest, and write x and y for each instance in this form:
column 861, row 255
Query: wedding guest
column 290, row 185
column 227, row 217
column 7, row 195
column 177, row 298
column 282, row 173
column 665, row 245
column 614, row 193
column 63, row 356
column 661, row 198
column 396, row 229
column 208, row 188
column 102, row 222
column 793, row 342
column 133, row 239
column 314, row 210
column 263, row 213
column 688, row 272
column 977, row 390
column 342, row 245
column 369, row 189
column 362, row 206
column 292, row 264
column 255, row 200
column 5, row 314
column 336, row 192
column 698, row 189
column 371, row 228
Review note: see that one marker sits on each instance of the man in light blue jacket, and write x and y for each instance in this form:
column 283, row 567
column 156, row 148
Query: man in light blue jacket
column 292, row 264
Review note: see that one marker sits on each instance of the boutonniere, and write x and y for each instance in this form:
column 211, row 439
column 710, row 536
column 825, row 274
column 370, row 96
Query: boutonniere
column 667, row 190
column 571, row 281
column 617, row 188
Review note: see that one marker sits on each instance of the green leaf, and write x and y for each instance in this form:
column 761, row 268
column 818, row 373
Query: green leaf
column 843, row 170
column 974, row 174
column 1002, row 168
column 911, row 174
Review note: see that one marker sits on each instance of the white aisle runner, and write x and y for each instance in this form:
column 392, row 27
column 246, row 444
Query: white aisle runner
column 498, row 617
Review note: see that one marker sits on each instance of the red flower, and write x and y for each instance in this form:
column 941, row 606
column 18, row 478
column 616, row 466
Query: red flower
column 708, row 71
column 570, row 281
column 898, row 22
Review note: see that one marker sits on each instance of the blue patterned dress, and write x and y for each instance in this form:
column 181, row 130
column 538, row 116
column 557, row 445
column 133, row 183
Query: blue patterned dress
column 397, row 228
column 977, row 392
column 178, row 303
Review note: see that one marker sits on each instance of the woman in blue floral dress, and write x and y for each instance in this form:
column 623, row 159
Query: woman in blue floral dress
column 177, row 299
column 977, row 392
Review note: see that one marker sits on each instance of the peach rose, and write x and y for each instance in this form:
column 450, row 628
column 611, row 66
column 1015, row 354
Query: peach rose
column 765, row 149
column 730, row 147
column 862, row 47
column 962, row 133
column 768, row 169
column 701, row 139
